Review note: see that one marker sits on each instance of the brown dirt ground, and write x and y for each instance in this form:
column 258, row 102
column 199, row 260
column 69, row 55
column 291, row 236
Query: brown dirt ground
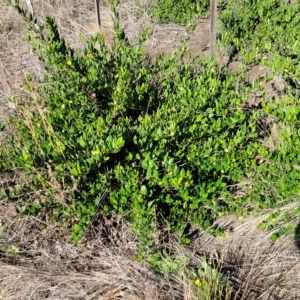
column 48, row 266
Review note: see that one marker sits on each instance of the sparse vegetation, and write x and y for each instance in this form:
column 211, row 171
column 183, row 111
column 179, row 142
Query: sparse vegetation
column 168, row 143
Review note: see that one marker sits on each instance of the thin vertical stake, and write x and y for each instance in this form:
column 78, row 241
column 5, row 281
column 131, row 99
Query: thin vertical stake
column 97, row 12
column 213, row 26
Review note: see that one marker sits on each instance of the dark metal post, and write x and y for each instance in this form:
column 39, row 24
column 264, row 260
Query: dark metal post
column 97, row 12
column 213, row 26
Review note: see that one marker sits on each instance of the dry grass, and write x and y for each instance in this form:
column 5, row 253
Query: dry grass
column 44, row 264
column 277, row 136
column 37, row 264
column 259, row 268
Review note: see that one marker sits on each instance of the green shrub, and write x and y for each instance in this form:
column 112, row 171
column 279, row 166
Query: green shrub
column 166, row 141
column 181, row 12
column 212, row 284
column 263, row 32
column 266, row 33
column 204, row 281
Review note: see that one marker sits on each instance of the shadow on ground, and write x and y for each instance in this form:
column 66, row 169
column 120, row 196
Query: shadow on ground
column 297, row 235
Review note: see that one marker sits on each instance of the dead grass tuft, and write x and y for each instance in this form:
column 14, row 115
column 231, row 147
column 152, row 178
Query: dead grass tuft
column 44, row 264
column 277, row 136
column 258, row 267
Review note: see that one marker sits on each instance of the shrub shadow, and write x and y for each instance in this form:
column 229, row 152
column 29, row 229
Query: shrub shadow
column 297, row 235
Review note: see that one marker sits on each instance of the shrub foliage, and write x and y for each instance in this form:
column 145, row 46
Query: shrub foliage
column 181, row 12
column 166, row 142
